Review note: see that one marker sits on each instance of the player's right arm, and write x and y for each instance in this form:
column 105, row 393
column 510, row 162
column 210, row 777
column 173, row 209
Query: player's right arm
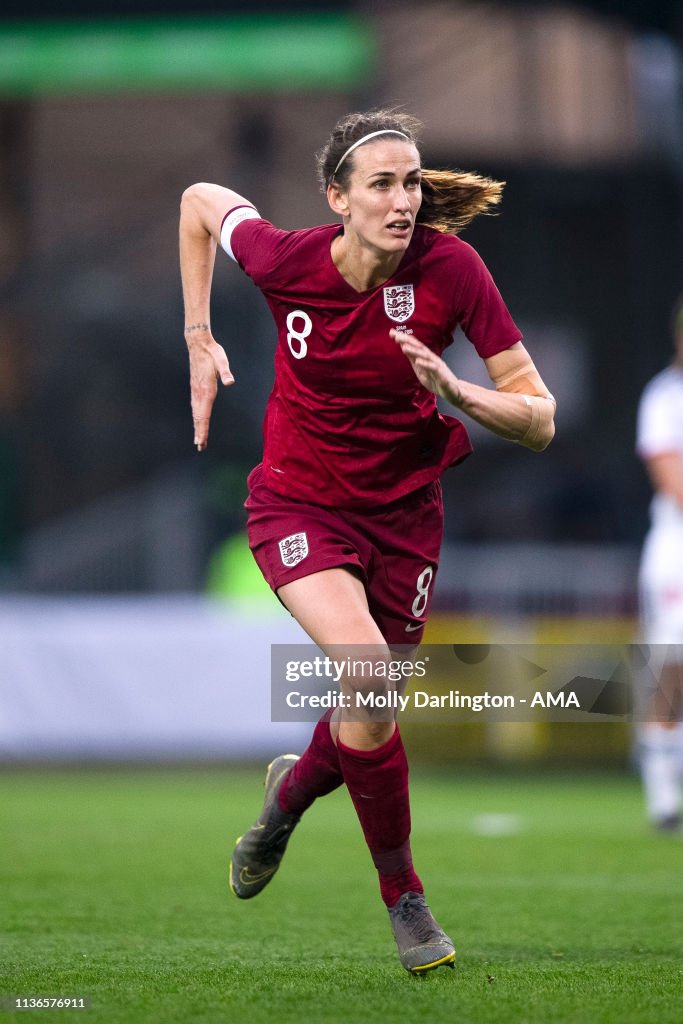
column 202, row 209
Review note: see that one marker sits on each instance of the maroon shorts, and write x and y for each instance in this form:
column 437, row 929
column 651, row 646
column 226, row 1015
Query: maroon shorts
column 394, row 549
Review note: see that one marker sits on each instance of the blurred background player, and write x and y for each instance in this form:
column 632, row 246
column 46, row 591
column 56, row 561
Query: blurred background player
column 660, row 445
column 345, row 511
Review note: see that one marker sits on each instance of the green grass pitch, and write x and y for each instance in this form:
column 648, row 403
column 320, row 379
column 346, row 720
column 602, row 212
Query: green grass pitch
column 114, row 887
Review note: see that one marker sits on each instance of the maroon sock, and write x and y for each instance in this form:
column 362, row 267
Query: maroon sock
column 378, row 783
column 315, row 774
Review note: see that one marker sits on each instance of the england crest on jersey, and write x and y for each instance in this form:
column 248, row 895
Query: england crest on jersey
column 293, row 549
column 399, row 302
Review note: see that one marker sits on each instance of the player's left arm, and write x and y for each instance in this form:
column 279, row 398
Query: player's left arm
column 520, row 408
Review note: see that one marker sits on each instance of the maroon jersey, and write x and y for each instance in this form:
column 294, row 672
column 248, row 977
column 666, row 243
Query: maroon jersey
column 348, row 424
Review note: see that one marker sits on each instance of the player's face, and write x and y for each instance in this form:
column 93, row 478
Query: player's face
column 383, row 196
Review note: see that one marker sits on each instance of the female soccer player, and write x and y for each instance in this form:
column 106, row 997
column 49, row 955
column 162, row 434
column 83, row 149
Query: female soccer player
column 660, row 445
column 345, row 510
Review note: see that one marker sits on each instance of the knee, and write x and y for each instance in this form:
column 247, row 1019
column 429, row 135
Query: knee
column 370, row 709
column 377, row 733
column 365, row 735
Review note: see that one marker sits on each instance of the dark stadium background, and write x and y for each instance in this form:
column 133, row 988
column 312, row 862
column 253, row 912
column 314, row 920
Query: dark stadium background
column 642, row 13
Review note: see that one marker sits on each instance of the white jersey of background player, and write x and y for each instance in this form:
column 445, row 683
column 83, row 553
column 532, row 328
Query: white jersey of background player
column 660, row 445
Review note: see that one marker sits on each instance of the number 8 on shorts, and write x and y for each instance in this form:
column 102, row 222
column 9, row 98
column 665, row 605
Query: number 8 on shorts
column 424, row 581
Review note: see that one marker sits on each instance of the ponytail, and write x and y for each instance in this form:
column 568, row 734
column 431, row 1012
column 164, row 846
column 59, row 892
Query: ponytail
column 451, row 199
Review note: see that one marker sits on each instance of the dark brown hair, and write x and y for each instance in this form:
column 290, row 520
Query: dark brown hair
column 450, row 199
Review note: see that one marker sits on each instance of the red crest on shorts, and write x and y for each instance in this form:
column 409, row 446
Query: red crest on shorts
column 399, row 302
column 293, row 549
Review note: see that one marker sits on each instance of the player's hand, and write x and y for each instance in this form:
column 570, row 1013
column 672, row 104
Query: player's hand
column 208, row 363
column 430, row 369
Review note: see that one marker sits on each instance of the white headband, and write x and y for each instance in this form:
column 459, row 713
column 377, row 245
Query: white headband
column 372, row 135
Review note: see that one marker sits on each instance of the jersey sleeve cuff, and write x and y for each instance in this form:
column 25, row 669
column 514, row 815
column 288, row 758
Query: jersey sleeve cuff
column 230, row 222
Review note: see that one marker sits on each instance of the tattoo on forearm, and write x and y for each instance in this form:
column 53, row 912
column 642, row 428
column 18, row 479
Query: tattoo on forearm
column 196, row 327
